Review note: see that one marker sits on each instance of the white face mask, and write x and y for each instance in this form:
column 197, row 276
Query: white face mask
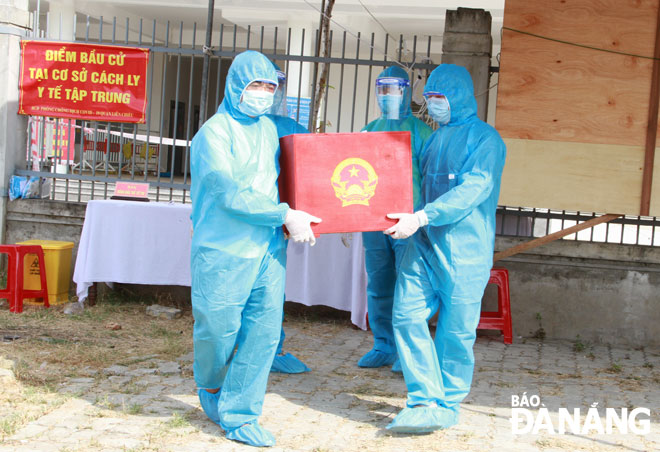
column 439, row 109
column 255, row 102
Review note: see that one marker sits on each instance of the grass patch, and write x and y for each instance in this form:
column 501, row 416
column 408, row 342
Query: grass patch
column 162, row 331
column 9, row 424
column 540, row 332
column 134, row 409
column 20, row 405
column 615, row 368
column 104, row 402
column 52, row 348
column 578, row 345
column 178, row 421
column 71, row 346
column 131, row 388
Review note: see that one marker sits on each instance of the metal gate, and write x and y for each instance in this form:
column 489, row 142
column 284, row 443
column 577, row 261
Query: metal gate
column 158, row 151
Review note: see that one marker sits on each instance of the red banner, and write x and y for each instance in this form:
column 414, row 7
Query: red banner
column 83, row 81
column 58, row 140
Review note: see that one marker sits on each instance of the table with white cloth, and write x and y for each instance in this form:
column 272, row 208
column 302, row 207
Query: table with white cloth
column 149, row 243
column 134, row 243
column 329, row 274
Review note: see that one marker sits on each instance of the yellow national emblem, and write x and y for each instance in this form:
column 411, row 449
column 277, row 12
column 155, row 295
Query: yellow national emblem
column 354, row 181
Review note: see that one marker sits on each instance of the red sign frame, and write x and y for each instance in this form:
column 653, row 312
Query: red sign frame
column 83, row 81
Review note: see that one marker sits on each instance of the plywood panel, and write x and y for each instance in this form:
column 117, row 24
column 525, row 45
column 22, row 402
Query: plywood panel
column 589, row 97
column 575, row 118
column 573, row 176
column 621, row 25
column 556, row 92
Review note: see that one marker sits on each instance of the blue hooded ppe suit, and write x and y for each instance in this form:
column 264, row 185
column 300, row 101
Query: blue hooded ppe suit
column 447, row 264
column 278, row 112
column 238, row 253
column 286, row 126
column 285, row 363
column 382, row 252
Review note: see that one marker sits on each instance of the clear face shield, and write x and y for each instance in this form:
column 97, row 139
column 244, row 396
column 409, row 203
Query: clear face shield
column 389, row 94
column 279, row 102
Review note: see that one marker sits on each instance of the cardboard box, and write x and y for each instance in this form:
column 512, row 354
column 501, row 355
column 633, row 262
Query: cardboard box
column 350, row 180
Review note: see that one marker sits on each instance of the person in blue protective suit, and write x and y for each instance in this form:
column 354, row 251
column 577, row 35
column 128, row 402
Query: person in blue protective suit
column 382, row 253
column 279, row 113
column 284, row 362
column 447, row 263
column 238, row 250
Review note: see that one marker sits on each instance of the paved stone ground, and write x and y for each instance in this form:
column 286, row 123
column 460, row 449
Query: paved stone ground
column 152, row 406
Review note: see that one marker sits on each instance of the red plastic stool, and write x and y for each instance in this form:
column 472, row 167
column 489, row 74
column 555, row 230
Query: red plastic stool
column 500, row 319
column 14, row 291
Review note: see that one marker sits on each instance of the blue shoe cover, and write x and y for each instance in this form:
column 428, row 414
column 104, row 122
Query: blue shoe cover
column 209, row 404
column 288, row 364
column 423, row 419
column 252, row 434
column 376, row 358
column 396, row 367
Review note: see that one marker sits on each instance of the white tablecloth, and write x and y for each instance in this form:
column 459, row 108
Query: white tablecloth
column 329, row 274
column 149, row 243
column 135, row 243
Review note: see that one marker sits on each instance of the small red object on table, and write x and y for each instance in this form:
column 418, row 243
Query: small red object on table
column 350, row 180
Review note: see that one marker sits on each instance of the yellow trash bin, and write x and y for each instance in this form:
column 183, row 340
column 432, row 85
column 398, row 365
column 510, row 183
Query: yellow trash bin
column 58, row 270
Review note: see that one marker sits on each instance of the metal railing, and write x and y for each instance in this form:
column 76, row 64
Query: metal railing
column 158, row 151
column 107, row 152
column 535, row 222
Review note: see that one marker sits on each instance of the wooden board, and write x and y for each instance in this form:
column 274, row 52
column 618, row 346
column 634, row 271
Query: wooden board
column 553, row 91
column 621, row 25
column 575, row 118
column 590, row 97
column 573, row 176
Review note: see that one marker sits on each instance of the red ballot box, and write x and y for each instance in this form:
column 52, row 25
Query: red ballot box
column 350, row 180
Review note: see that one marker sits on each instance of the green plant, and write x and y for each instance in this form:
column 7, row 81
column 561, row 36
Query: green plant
column 615, row 368
column 540, row 333
column 134, row 408
column 160, row 331
column 178, row 420
column 9, row 424
column 105, row 402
